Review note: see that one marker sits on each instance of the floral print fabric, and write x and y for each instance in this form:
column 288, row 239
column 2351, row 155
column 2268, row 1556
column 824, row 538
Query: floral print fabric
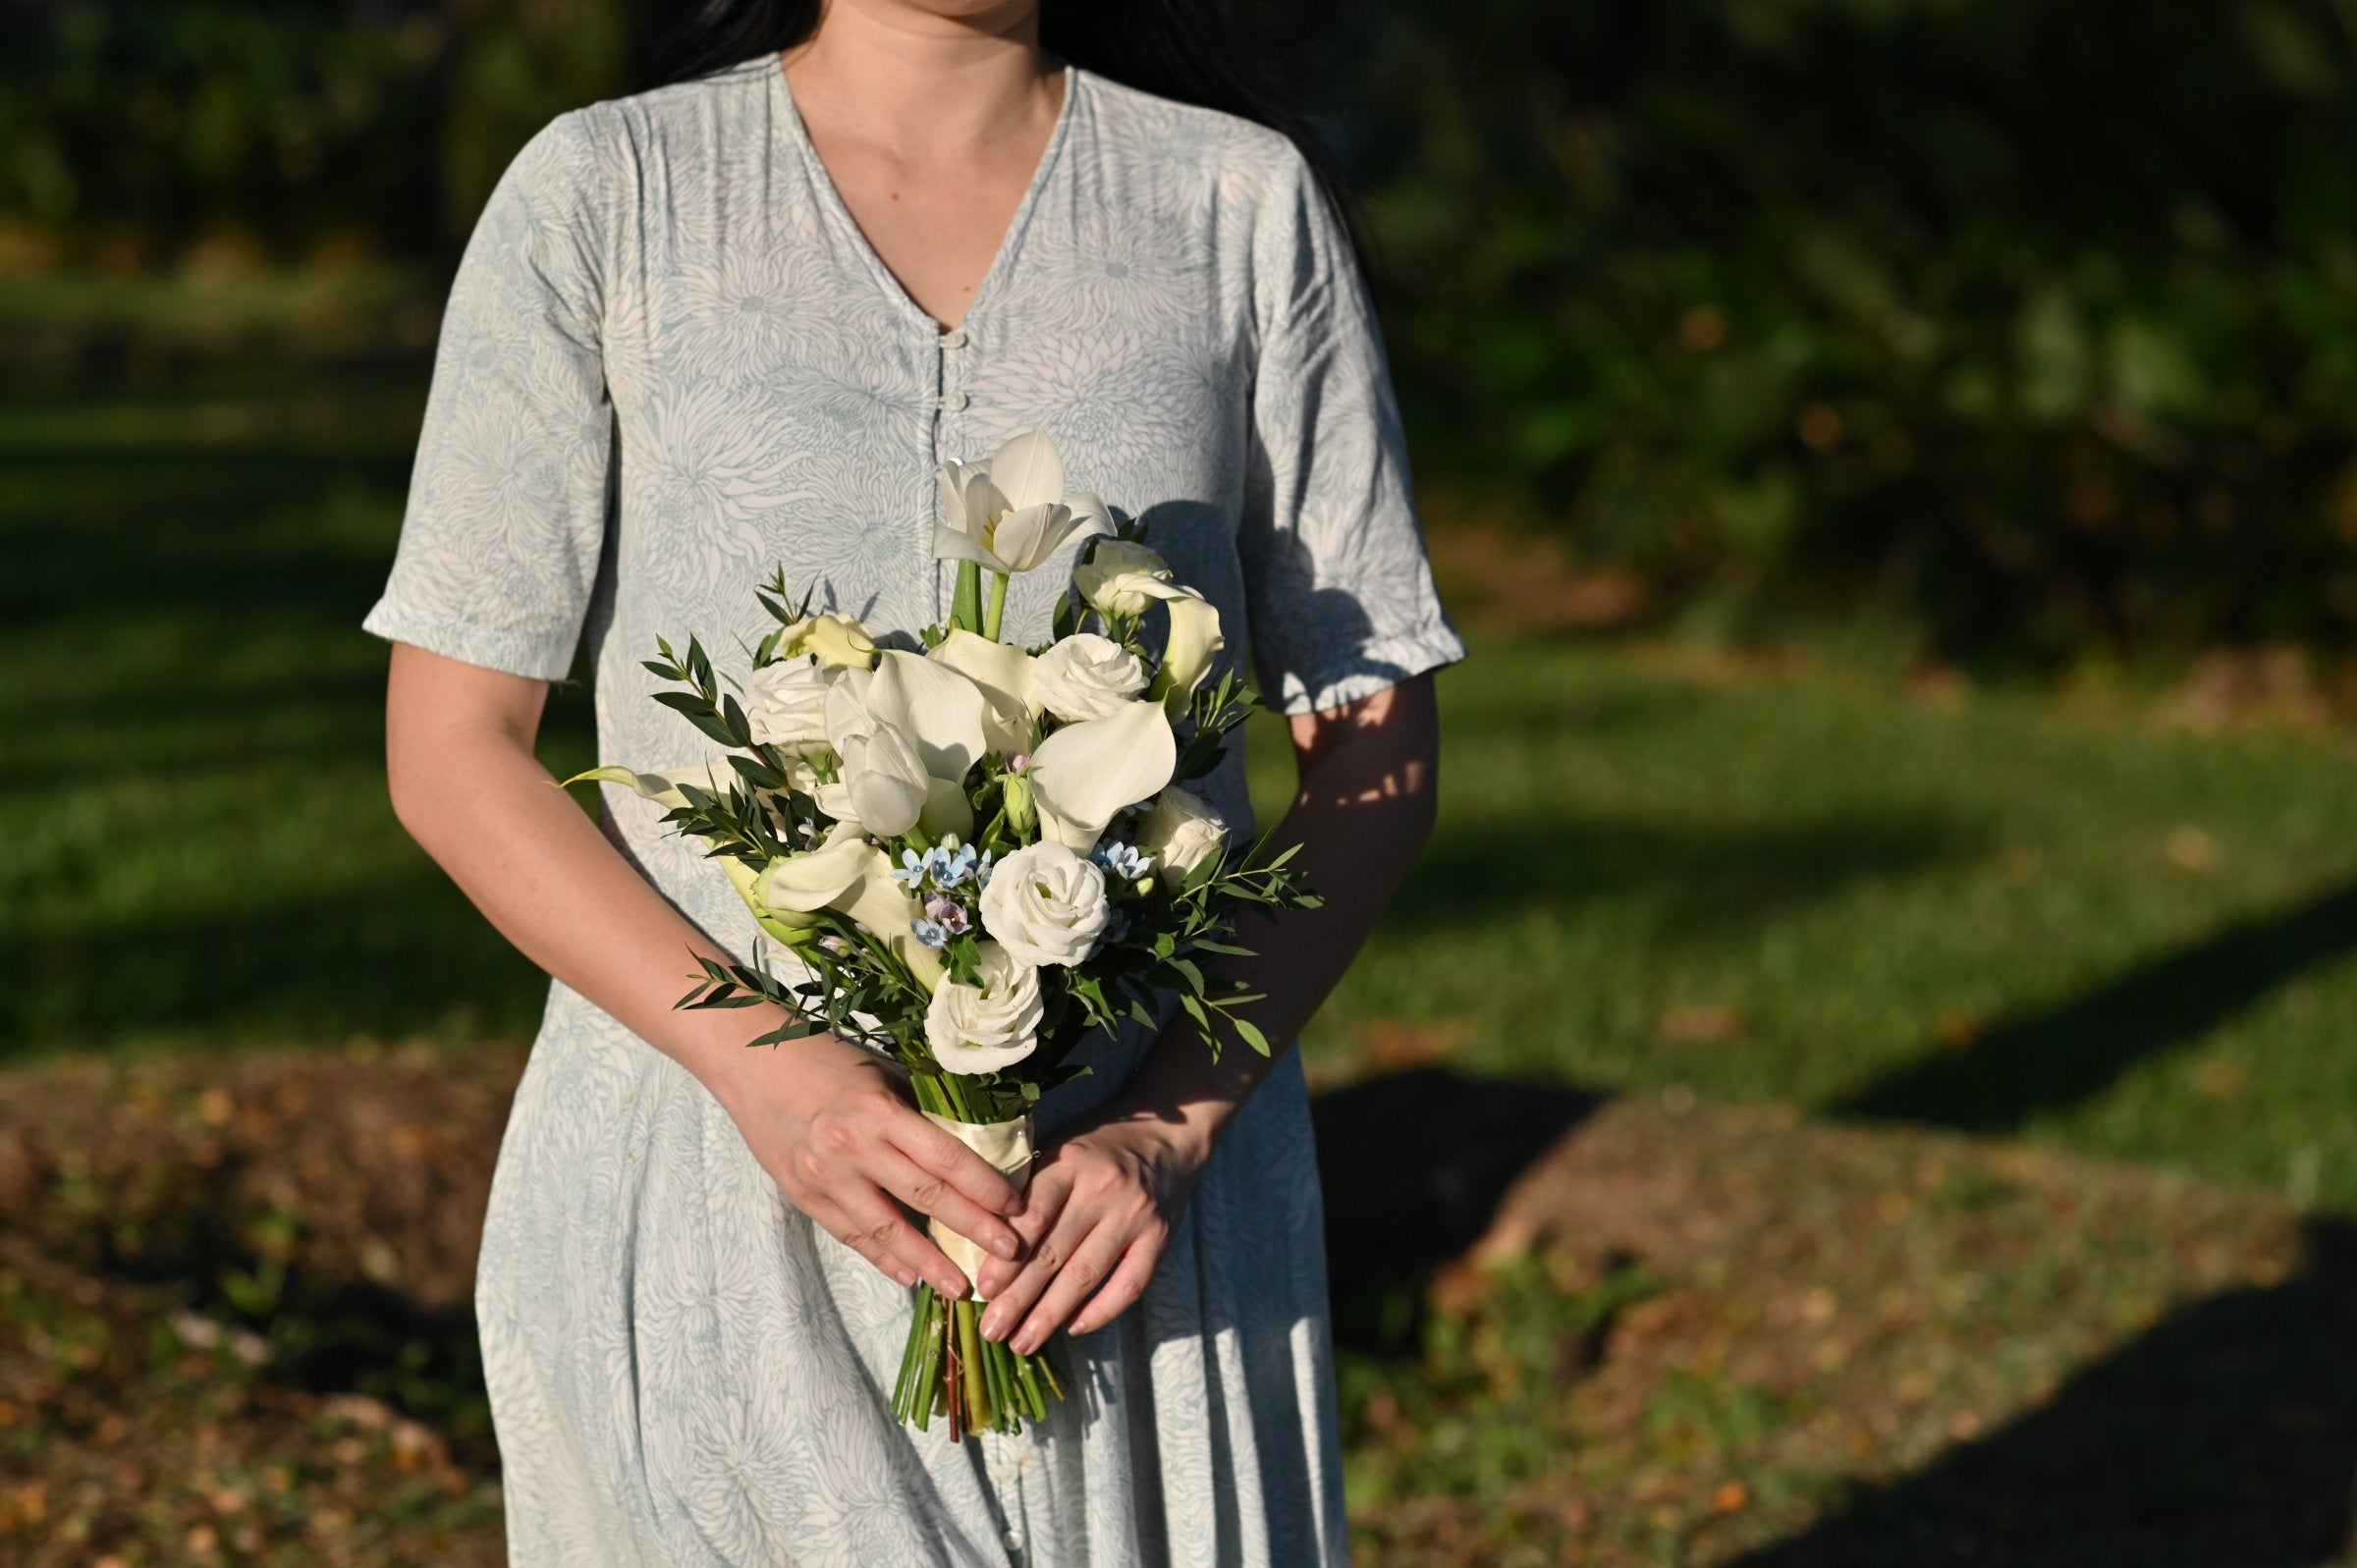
column 671, row 362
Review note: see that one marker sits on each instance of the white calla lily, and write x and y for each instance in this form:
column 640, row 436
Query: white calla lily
column 663, row 788
column 887, row 780
column 851, row 876
column 807, row 883
column 1009, row 681
column 935, row 706
column 1084, row 773
column 1196, row 640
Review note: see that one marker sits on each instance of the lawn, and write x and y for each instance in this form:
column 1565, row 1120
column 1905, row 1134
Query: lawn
column 1786, row 878
column 1850, row 1116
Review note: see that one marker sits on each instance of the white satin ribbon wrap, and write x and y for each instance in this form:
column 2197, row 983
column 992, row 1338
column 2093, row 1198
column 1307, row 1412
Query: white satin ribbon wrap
column 1007, row 1146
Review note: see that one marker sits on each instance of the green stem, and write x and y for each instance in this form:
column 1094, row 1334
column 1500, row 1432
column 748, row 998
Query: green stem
column 992, row 616
column 920, row 1311
column 925, row 1396
column 970, row 1351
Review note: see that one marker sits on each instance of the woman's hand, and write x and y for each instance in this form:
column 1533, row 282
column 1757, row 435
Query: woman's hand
column 1094, row 1225
column 828, row 1122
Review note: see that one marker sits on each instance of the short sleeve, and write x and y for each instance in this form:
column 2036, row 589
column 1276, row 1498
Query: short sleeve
column 1338, row 584
column 506, row 512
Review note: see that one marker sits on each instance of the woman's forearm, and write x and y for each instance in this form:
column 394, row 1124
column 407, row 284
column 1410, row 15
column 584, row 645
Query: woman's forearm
column 467, row 787
column 1364, row 809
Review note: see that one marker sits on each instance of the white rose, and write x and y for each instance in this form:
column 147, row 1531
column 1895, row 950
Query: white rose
column 1181, row 831
column 786, row 703
column 1087, row 676
column 1111, row 580
column 1047, row 904
column 981, row 1028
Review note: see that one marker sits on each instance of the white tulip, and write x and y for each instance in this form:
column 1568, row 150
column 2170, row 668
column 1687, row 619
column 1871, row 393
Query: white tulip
column 1085, row 772
column 786, row 703
column 1010, row 512
column 1181, row 831
column 989, row 1025
column 1046, row 904
column 1087, row 676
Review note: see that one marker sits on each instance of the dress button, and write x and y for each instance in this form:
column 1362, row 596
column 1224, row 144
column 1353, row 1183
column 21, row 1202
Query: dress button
column 1015, row 1539
column 955, row 337
column 953, row 402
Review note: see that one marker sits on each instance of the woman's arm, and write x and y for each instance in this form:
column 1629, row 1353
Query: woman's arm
column 825, row 1118
column 1101, row 1205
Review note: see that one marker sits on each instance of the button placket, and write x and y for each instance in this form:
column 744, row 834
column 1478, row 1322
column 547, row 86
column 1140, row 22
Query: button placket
column 949, row 403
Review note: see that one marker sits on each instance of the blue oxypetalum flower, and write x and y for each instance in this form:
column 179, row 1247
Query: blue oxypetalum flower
column 955, row 865
column 930, row 931
column 912, row 868
column 1123, row 860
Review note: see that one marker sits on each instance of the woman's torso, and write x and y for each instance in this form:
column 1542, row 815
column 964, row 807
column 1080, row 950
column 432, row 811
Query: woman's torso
column 780, row 401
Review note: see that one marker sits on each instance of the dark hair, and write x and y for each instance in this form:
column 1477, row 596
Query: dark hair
column 1194, row 51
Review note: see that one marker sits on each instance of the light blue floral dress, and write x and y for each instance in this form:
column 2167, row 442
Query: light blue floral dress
column 670, row 363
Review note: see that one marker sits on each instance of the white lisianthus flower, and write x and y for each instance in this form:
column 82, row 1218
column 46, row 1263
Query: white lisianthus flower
column 1087, row 676
column 1182, row 831
column 1046, row 904
column 786, row 703
column 1009, row 511
column 990, row 1025
column 1111, row 580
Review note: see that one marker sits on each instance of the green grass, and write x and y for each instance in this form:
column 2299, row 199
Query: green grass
column 1797, row 881
column 2064, row 915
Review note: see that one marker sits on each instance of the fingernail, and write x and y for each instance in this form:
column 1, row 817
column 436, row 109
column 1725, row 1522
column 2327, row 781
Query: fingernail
column 1003, row 1246
column 992, row 1325
column 1028, row 1345
column 950, row 1285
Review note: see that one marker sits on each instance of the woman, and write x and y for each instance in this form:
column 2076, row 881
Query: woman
column 735, row 321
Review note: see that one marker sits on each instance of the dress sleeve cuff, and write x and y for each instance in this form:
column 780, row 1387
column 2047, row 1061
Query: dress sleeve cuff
column 1374, row 667
column 538, row 655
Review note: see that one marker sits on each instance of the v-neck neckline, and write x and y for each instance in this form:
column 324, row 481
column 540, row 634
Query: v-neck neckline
column 831, row 197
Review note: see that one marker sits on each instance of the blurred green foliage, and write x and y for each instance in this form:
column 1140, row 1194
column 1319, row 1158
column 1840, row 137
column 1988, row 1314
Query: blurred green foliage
column 2036, row 322
column 293, row 127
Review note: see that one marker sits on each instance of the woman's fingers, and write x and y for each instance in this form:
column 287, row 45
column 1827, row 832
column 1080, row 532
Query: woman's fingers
column 861, row 1217
column 931, row 1194
column 1011, row 1288
column 1129, row 1283
column 1092, row 1260
column 959, row 1169
column 1043, row 1208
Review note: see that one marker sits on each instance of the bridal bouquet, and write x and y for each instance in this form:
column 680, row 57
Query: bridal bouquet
column 977, row 854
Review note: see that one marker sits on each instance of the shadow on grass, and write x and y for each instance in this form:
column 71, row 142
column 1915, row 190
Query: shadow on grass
column 2225, row 1438
column 408, row 956
column 1412, row 1167
column 1699, row 877
column 2059, row 1057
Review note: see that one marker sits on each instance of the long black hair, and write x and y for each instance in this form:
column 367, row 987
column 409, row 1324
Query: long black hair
column 1196, row 51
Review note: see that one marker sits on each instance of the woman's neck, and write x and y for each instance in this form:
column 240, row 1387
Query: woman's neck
column 917, row 86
